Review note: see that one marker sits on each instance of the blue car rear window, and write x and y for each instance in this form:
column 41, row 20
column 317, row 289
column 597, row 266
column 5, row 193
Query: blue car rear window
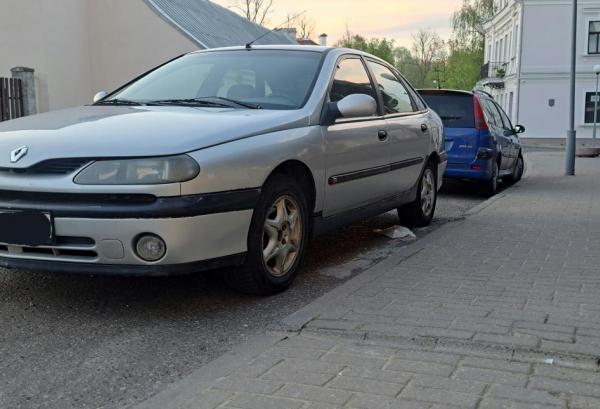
column 456, row 110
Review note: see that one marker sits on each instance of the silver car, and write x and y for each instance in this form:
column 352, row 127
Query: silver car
column 226, row 157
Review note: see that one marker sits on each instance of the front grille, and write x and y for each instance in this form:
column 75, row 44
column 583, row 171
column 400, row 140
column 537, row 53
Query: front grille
column 64, row 248
column 18, row 197
column 52, row 167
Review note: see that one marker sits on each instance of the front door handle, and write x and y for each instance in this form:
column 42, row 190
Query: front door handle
column 424, row 127
column 382, row 135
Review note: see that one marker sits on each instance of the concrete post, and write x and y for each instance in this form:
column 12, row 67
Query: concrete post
column 29, row 97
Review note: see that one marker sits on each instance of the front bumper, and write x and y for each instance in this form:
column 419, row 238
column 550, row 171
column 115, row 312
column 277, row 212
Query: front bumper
column 200, row 232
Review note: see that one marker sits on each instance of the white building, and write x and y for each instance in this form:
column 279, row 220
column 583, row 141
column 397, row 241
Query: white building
column 527, row 70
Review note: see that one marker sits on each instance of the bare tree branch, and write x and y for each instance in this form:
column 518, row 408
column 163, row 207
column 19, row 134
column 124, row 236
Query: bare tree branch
column 305, row 25
column 428, row 49
column 256, row 11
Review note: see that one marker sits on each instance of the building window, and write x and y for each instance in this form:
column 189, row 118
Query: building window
column 594, row 38
column 589, row 107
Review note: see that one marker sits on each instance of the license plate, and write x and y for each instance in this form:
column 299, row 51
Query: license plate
column 26, row 228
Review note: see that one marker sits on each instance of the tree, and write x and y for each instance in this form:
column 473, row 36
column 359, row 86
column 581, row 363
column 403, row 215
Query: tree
column 305, row 26
column 468, row 22
column 406, row 64
column 255, row 10
column 381, row 47
column 467, row 45
column 463, row 67
column 428, row 49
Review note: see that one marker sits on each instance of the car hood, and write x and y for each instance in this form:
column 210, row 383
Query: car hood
column 133, row 131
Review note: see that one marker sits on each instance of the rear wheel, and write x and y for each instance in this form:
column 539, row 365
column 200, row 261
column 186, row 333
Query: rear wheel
column 420, row 212
column 277, row 239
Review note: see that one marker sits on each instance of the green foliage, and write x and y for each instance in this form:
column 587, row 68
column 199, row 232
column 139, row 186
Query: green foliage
column 380, row 47
column 467, row 46
column 406, row 64
column 463, row 67
column 468, row 22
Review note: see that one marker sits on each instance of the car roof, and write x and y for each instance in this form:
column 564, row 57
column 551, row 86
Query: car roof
column 282, row 47
column 294, row 47
column 433, row 91
column 444, row 91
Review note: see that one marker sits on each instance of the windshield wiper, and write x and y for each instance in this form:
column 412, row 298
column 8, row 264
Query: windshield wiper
column 206, row 101
column 236, row 102
column 118, row 101
column 188, row 102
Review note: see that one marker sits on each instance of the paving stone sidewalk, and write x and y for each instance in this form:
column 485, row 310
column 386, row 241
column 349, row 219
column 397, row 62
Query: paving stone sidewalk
column 500, row 310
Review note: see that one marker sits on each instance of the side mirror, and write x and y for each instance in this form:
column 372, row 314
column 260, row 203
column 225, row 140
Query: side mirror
column 519, row 129
column 357, row 106
column 100, row 95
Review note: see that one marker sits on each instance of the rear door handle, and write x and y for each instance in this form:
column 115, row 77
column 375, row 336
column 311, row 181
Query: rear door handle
column 382, row 135
column 424, row 127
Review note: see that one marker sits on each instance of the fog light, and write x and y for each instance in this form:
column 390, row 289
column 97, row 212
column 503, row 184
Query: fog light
column 150, row 247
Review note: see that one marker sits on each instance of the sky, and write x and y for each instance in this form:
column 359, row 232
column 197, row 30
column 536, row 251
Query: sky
column 396, row 19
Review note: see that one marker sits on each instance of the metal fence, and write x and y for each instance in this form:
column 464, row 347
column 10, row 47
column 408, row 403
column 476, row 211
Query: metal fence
column 11, row 99
column 493, row 70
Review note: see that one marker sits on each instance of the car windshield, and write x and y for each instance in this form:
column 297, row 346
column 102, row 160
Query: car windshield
column 244, row 79
column 455, row 109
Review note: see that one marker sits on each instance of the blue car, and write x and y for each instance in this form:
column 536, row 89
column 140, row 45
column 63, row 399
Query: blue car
column 481, row 142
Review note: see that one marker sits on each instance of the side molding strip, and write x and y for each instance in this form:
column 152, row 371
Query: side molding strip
column 365, row 173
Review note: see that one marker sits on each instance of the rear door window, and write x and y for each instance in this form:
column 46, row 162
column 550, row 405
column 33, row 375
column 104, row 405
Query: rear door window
column 505, row 119
column 492, row 114
column 395, row 96
column 456, row 110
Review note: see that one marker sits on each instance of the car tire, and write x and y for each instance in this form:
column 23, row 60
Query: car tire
column 491, row 186
column 277, row 239
column 420, row 212
column 518, row 170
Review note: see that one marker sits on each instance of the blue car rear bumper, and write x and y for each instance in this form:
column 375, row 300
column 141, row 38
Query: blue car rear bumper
column 466, row 170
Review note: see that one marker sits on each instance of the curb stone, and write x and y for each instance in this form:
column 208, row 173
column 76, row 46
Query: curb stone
column 189, row 388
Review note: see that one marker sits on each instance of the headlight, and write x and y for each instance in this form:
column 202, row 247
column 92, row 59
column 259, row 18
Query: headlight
column 150, row 171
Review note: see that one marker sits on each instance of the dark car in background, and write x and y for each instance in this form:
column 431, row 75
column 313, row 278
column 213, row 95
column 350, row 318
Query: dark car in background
column 481, row 142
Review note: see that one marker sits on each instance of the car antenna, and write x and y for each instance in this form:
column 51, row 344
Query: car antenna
column 295, row 16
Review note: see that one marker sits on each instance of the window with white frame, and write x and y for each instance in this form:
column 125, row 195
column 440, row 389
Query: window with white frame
column 594, row 38
column 590, row 103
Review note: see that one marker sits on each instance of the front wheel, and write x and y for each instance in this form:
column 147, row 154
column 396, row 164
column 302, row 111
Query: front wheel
column 420, row 212
column 277, row 239
column 519, row 169
column 491, row 186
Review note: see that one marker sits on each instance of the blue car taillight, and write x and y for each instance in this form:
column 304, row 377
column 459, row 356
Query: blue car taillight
column 485, row 154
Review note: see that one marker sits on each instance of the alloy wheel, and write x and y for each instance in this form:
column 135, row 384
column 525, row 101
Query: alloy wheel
column 282, row 236
column 428, row 192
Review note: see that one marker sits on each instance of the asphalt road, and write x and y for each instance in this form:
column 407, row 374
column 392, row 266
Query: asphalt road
column 69, row 341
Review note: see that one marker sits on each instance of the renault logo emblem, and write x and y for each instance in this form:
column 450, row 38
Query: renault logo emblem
column 17, row 154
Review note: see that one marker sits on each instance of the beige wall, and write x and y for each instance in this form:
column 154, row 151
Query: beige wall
column 52, row 40
column 80, row 46
column 128, row 38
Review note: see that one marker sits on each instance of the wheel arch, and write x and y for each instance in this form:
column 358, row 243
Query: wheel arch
column 434, row 157
column 299, row 171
